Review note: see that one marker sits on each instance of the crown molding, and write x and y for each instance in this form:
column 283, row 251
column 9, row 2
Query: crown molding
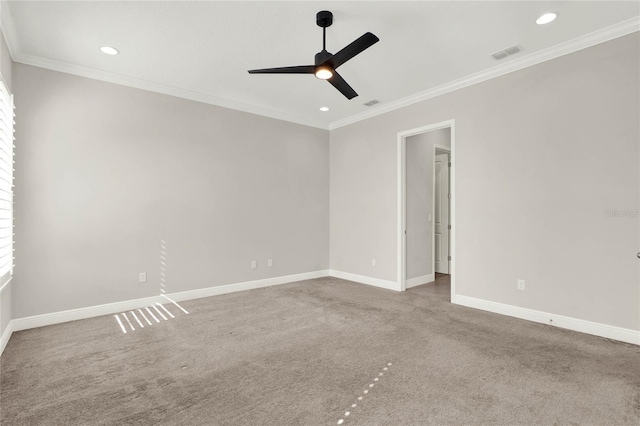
column 8, row 29
column 137, row 83
column 609, row 33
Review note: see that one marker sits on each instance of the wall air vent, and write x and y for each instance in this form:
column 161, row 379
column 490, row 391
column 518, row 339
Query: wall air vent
column 371, row 102
column 506, row 52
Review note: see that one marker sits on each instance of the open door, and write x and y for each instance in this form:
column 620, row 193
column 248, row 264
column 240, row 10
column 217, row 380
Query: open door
column 441, row 213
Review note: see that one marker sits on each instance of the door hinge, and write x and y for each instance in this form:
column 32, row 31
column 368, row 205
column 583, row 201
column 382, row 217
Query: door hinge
column 448, row 226
column 449, row 195
column 448, row 257
column 449, row 163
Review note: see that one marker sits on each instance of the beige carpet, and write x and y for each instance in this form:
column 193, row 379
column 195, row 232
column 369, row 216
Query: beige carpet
column 303, row 354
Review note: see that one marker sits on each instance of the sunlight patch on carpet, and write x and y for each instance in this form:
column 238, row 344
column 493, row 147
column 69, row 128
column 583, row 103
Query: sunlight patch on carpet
column 364, row 393
column 128, row 321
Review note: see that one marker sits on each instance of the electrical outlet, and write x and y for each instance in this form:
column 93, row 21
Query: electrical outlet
column 254, row 264
column 142, row 277
column 520, row 284
column 373, row 262
column 270, row 262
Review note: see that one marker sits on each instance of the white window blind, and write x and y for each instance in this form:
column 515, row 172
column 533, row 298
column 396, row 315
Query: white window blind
column 7, row 122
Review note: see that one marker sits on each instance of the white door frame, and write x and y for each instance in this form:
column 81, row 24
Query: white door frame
column 402, row 199
column 437, row 147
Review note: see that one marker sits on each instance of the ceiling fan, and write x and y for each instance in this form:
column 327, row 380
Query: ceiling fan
column 325, row 62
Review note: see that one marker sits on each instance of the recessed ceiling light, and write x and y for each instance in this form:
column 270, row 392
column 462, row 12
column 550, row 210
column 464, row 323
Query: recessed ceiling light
column 109, row 50
column 324, row 109
column 546, row 18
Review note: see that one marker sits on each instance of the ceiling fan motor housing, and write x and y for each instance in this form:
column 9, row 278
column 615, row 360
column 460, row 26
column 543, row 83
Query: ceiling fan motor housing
column 322, row 56
column 324, row 18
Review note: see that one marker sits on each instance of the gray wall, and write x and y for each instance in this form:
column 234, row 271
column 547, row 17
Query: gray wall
column 5, row 308
column 540, row 155
column 419, row 199
column 104, row 172
column 5, row 294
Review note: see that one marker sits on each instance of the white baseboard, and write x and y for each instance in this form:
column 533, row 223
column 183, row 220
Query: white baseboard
column 248, row 285
column 82, row 313
column 575, row 324
column 117, row 307
column 424, row 279
column 376, row 282
column 6, row 335
column 603, row 330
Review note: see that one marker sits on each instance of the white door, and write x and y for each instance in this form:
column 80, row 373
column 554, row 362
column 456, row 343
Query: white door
column 441, row 217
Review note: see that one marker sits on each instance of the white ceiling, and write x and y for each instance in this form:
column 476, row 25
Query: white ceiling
column 202, row 50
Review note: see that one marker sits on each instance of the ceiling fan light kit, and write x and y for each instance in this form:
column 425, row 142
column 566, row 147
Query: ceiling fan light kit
column 324, row 73
column 326, row 63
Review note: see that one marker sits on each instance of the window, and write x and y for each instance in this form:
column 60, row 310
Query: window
column 6, row 183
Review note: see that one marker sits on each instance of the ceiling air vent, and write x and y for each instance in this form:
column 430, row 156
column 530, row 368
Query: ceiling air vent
column 506, row 52
column 371, row 102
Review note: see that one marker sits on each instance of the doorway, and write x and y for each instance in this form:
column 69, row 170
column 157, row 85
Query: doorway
column 442, row 216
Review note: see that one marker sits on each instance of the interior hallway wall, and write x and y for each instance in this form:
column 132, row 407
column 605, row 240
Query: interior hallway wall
column 541, row 156
column 105, row 172
column 419, row 199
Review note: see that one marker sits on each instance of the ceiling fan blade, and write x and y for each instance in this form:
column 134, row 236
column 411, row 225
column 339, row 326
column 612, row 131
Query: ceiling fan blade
column 339, row 83
column 358, row 46
column 301, row 69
